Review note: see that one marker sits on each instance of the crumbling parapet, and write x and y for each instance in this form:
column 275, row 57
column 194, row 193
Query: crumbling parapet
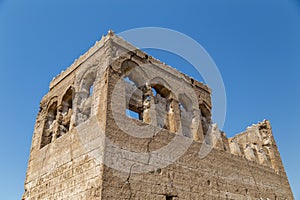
column 257, row 144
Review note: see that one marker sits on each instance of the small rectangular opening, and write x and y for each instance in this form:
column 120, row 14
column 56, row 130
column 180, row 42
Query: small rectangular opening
column 169, row 197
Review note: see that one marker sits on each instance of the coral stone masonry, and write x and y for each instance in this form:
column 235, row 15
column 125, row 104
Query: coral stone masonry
column 120, row 124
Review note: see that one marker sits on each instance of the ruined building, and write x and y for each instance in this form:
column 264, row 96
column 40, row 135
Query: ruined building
column 119, row 124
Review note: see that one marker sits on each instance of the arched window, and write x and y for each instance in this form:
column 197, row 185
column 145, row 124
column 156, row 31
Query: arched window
column 67, row 101
column 84, row 96
column 134, row 91
column 134, row 96
column 151, row 102
column 65, row 113
column 50, row 125
column 186, row 115
column 161, row 96
column 205, row 118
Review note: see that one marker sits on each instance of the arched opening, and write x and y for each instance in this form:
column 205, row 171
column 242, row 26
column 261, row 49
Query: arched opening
column 65, row 113
column 50, row 125
column 134, row 99
column 151, row 102
column 205, row 118
column 186, row 115
column 163, row 106
column 84, row 96
column 67, row 101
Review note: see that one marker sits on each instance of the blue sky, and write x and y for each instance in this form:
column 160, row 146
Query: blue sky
column 255, row 44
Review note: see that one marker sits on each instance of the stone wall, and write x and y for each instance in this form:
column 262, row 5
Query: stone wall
column 227, row 172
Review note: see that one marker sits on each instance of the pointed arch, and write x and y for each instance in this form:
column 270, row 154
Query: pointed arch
column 65, row 112
column 49, row 125
column 84, row 95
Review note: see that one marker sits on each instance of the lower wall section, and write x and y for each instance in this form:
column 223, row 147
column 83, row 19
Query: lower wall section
column 63, row 170
column 220, row 175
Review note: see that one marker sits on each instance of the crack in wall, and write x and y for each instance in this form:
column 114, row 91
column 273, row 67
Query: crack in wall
column 148, row 147
column 127, row 183
column 252, row 175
